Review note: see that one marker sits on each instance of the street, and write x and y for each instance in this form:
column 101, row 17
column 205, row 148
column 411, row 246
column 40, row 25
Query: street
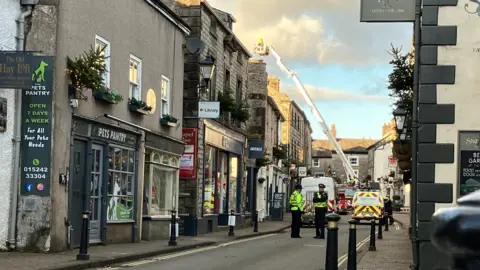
column 273, row 251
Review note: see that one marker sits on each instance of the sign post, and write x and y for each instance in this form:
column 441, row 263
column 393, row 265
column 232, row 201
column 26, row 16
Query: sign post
column 209, row 109
column 302, row 171
column 37, row 128
column 256, row 148
column 387, row 11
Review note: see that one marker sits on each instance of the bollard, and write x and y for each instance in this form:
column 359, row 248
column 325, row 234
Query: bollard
column 255, row 222
column 372, row 236
column 380, row 225
column 173, row 230
column 387, row 221
column 83, row 252
column 352, row 245
column 331, row 262
column 231, row 224
column 454, row 230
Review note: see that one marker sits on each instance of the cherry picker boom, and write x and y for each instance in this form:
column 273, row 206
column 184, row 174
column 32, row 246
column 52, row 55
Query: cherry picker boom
column 262, row 49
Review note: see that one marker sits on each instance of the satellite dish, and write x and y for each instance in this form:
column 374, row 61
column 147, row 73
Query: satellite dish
column 195, row 45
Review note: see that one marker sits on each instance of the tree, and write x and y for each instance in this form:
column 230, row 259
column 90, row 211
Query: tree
column 400, row 80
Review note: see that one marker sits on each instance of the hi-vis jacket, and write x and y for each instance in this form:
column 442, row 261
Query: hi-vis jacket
column 320, row 200
column 296, row 201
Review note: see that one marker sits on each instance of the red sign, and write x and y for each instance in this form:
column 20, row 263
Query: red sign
column 392, row 161
column 188, row 162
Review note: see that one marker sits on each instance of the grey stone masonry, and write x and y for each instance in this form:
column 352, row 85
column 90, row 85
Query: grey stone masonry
column 257, row 98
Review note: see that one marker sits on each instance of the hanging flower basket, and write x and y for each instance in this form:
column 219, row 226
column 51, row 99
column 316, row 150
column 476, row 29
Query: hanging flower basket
column 404, row 165
column 402, row 148
column 261, row 180
column 401, row 157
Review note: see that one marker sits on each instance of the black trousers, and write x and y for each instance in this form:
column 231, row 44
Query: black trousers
column 320, row 213
column 296, row 223
column 390, row 217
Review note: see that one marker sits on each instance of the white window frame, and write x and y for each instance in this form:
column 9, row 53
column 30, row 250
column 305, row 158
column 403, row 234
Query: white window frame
column 350, row 158
column 107, row 58
column 139, row 66
column 317, row 162
column 168, row 99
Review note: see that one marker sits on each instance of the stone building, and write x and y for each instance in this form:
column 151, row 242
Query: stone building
column 215, row 181
column 114, row 151
column 10, row 11
column 326, row 162
column 265, row 124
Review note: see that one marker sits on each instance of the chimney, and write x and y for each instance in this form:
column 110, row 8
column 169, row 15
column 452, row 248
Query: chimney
column 274, row 83
column 334, row 131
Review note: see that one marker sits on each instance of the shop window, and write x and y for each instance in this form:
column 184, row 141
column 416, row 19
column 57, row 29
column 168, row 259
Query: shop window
column 222, row 189
column 161, row 184
column 209, row 200
column 232, row 194
column 120, row 183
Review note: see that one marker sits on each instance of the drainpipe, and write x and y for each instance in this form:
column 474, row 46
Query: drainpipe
column 11, row 242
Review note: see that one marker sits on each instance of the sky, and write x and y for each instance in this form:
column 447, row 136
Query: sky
column 344, row 64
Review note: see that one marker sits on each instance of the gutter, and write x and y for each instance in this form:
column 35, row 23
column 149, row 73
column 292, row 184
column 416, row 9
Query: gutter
column 11, row 242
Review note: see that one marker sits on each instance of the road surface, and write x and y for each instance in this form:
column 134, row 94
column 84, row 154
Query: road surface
column 274, row 251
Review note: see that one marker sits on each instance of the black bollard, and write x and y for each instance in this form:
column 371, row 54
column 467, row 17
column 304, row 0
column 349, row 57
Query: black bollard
column 231, row 224
column 380, row 225
column 173, row 230
column 352, row 245
column 372, row 235
column 83, row 252
column 331, row 263
column 387, row 221
column 255, row 222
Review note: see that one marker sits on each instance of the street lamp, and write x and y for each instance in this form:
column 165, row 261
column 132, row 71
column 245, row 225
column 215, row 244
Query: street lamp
column 207, row 67
column 400, row 114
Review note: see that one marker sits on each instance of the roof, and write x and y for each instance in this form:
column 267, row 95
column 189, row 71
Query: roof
column 225, row 27
column 345, row 144
column 390, row 136
column 170, row 15
column 272, row 102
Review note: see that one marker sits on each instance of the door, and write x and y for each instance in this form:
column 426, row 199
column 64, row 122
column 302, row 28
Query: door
column 77, row 190
column 96, row 194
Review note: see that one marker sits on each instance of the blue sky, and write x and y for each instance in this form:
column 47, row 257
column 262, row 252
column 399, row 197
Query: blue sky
column 342, row 62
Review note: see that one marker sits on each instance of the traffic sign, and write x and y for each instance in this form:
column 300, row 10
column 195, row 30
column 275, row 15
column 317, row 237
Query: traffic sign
column 302, row 171
column 209, row 109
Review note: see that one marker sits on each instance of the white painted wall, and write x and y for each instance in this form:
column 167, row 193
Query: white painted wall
column 9, row 12
column 380, row 162
column 465, row 92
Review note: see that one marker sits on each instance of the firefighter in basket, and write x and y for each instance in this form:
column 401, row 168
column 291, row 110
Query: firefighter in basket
column 320, row 202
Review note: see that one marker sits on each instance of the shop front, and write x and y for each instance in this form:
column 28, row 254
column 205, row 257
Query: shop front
column 161, row 178
column 103, row 181
column 222, row 177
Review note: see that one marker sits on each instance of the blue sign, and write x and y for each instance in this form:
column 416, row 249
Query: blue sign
column 29, row 187
column 256, row 148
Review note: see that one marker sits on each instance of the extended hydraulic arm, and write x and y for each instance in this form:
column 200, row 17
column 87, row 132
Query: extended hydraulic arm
column 264, row 50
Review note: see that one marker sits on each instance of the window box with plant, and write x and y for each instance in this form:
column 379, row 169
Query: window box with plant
column 138, row 106
column 279, row 152
column 262, row 162
column 168, row 120
column 106, row 94
column 227, row 101
column 241, row 112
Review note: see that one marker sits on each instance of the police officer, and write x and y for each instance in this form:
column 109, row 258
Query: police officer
column 320, row 202
column 388, row 210
column 296, row 206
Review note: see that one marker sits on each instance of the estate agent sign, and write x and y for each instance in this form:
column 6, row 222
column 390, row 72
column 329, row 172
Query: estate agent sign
column 37, row 127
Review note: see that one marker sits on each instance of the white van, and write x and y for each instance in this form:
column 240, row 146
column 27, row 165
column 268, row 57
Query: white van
column 310, row 187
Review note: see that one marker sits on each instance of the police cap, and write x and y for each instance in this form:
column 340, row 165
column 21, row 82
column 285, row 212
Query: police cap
column 298, row 187
column 321, row 185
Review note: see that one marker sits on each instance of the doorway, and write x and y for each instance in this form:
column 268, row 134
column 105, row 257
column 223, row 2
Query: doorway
column 77, row 190
column 96, row 187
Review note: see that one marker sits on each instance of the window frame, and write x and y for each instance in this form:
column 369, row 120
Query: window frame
column 107, row 57
column 168, row 98
column 173, row 164
column 357, row 158
column 318, row 162
column 139, row 76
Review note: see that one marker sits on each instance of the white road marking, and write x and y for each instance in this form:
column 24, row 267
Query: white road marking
column 193, row 251
column 397, row 227
column 344, row 257
column 306, row 245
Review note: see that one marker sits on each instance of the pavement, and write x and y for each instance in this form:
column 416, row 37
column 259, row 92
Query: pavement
column 272, row 251
column 101, row 256
column 394, row 252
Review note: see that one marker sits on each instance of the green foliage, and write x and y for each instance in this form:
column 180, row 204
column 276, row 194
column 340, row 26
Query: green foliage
column 86, row 70
column 261, row 162
column 241, row 112
column 400, row 80
column 135, row 104
column 107, row 94
column 169, row 118
column 280, row 152
column 227, row 101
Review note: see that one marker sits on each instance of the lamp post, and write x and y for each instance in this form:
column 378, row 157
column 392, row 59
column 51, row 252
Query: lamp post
column 207, row 68
column 400, row 115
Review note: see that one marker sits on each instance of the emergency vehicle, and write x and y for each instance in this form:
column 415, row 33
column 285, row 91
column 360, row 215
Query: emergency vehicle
column 342, row 204
column 349, row 193
column 368, row 204
column 309, row 188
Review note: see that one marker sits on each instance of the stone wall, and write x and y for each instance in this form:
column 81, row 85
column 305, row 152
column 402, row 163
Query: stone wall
column 257, row 99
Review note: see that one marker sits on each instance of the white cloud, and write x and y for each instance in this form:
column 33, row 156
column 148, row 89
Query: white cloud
column 325, row 94
column 324, row 31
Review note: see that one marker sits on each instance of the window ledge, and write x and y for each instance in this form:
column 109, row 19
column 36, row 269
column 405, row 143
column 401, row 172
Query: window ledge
column 154, row 218
column 120, row 221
